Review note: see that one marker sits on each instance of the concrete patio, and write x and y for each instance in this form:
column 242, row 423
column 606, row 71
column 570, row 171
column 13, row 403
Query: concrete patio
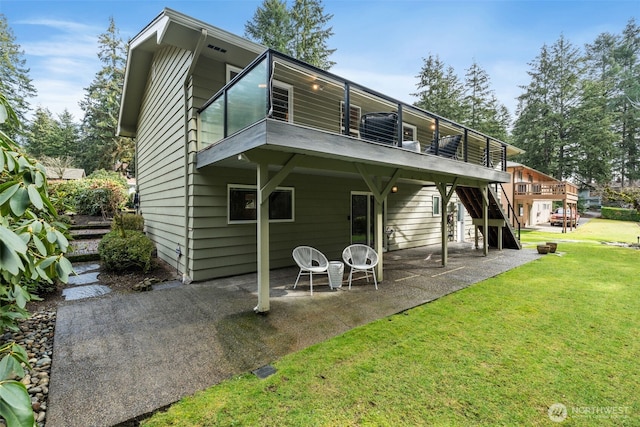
column 121, row 356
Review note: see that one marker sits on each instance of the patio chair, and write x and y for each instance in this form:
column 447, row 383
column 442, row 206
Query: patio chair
column 310, row 260
column 379, row 127
column 447, row 146
column 361, row 258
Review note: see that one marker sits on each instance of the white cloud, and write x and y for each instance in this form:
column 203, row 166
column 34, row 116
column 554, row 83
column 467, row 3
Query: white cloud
column 62, row 56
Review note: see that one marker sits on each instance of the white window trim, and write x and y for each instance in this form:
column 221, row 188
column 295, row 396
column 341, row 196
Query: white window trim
column 231, row 69
column 289, row 89
column 436, row 208
column 253, row 187
column 414, row 128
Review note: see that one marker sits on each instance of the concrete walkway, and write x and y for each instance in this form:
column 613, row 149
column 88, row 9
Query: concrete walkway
column 120, row 356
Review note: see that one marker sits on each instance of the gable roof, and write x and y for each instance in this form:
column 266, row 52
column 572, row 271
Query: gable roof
column 171, row 28
column 67, row 173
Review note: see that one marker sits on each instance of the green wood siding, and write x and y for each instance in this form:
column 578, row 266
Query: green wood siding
column 160, row 152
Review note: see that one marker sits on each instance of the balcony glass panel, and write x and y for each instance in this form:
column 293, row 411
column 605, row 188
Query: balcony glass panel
column 247, row 99
column 212, row 123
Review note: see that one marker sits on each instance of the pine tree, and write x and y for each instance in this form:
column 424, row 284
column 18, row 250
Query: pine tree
column 309, row 43
column 300, row 32
column 101, row 148
column 627, row 57
column 483, row 112
column 271, row 26
column 545, row 124
column 14, row 75
column 439, row 89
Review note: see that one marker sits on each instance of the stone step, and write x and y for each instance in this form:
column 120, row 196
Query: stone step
column 84, row 250
column 88, row 233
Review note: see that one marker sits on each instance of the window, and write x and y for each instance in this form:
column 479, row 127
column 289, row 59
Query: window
column 232, row 71
column 520, row 209
column 354, row 119
column 409, row 132
column 282, row 95
column 243, row 204
column 436, row 205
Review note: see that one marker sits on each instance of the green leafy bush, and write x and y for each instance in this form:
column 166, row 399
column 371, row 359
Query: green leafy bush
column 128, row 222
column 620, row 214
column 102, row 193
column 133, row 251
column 32, row 247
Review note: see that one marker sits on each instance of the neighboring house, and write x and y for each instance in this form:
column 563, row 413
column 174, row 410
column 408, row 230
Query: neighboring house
column 244, row 153
column 532, row 193
column 65, row 174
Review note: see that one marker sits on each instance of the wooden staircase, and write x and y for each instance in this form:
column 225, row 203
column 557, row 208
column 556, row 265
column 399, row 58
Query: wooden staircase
column 471, row 198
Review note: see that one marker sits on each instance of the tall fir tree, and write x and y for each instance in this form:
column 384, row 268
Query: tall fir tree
column 271, row 26
column 309, row 43
column 15, row 82
column 101, row 148
column 439, row 89
column 483, row 112
column 545, row 111
column 627, row 57
column 300, row 32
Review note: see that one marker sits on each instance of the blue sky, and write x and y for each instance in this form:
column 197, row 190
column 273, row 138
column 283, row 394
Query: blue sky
column 380, row 43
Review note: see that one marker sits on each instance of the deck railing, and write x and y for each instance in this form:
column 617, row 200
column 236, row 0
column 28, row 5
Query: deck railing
column 279, row 87
column 551, row 188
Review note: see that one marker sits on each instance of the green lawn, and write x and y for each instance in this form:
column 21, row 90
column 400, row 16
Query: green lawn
column 562, row 329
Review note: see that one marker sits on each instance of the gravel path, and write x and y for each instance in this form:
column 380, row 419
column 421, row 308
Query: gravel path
column 36, row 337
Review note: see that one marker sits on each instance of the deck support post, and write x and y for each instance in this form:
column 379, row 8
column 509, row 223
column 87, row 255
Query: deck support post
column 485, row 219
column 263, row 238
column 445, row 196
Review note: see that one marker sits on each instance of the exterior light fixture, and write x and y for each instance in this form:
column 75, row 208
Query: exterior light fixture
column 394, row 189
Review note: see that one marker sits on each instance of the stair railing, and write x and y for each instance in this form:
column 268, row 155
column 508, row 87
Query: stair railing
column 511, row 213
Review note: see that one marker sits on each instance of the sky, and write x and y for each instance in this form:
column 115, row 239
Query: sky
column 380, row 44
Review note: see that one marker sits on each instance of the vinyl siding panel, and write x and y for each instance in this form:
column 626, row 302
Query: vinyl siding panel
column 322, row 208
column 160, row 152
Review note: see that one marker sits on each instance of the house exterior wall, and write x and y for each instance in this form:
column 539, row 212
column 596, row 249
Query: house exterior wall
column 410, row 216
column 160, row 152
column 322, row 209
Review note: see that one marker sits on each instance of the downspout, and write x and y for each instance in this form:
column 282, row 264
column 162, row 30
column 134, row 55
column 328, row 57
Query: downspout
column 187, row 188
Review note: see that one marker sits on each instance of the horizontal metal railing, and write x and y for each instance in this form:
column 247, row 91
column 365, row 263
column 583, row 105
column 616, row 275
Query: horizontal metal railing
column 282, row 88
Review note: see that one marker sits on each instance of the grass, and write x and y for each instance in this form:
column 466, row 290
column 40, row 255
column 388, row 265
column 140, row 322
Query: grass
column 562, row 329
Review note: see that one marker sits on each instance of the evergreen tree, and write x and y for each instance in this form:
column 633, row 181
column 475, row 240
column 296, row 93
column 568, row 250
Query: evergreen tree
column 300, row 32
column 101, row 148
column 483, row 111
column 309, row 43
column 48, row 137
column 627, row 57
column 545, row 123
column 593, row 129
column 271, row 26
column 439, row 90
column 14, row 75
column 40, row 135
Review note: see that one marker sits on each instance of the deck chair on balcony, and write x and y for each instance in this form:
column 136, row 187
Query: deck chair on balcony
column 447, row 146
column 361, row 258
column 311, row 261
column 379, row 127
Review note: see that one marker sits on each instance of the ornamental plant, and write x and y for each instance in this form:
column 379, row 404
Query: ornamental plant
column 32, row 248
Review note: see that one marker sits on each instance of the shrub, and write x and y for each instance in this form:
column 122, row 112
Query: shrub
column 128, row 222
column 102, row 193
column 620, row 214
column 118, row 253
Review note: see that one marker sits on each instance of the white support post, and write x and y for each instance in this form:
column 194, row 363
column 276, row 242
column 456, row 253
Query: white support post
column 263, row 238
column 379, row 236
column 485, row 219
